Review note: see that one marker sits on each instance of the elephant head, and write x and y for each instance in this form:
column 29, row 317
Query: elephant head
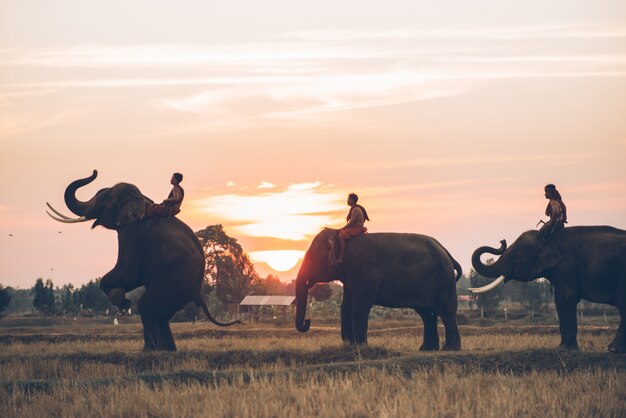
column 112, row 207
column 315, row 268
column 528, row 258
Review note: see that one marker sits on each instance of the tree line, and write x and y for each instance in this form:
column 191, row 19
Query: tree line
column 230, row 276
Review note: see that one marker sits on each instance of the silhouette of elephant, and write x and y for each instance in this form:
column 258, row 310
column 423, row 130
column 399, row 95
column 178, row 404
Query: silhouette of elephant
column 582, row 262
column 162, row 254
column 386, row 269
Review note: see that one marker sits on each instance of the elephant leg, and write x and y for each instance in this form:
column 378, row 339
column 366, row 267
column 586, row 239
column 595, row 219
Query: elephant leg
column 566, row 308
column 347, row 335
column 154, row 313
column 115, row 284
column 166, row 335
column 453, row 337
column 618, row 345
column 360, row 310
column 431, row 335
column 151, row 333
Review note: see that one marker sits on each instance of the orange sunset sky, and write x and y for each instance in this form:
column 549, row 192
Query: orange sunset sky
column 447, row 118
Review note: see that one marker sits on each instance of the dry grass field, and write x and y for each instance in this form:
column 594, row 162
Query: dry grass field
column 98, row 370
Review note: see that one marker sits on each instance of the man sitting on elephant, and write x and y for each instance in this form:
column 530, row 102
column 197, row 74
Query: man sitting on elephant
column 357, row 215
column 170, row 206
column 556, row 210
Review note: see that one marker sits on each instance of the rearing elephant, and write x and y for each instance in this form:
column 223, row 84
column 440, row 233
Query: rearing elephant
column 582, row 262
column 162, row 254
column 392, row 270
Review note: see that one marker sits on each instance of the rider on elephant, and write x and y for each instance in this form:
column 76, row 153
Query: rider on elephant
column 556, row 210
column 357, row 215
column 170, row 206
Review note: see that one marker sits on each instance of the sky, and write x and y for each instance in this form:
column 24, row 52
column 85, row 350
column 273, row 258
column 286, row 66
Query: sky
column 446, row 119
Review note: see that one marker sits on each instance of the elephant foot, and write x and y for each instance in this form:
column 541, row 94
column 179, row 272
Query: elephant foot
column 451, row 347
column 124, row 306
column 617, row 348
column 569, row 347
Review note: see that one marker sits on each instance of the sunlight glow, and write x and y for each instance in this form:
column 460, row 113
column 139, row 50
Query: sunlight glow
column 295, row 214
column 282, row 260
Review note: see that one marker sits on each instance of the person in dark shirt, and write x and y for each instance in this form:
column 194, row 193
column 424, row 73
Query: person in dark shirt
column 556, row 211
column 170, row 206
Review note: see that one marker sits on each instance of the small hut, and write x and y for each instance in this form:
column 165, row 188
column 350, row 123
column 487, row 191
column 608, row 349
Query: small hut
column 262, row 307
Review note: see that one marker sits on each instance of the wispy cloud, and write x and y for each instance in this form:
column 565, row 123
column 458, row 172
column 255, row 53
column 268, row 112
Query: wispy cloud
column 471, row 160
column 497, row 34
column 309, row 74
column 294, row 213
column 15, row 124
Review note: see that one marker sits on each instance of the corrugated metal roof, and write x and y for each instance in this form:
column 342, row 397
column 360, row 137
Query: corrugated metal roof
column 267, row 300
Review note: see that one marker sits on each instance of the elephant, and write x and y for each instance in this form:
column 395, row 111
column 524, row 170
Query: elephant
column 395, row 270
column 162, row 254
column 581, row 262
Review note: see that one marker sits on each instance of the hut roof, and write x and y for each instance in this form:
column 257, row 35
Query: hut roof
column 267, row 300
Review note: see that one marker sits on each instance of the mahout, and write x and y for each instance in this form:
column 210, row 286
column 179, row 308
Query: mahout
column 581, row 262
column 161, row 253
column 394, row 270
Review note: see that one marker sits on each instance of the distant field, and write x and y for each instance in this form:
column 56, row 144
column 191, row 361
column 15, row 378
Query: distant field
column 93, row 368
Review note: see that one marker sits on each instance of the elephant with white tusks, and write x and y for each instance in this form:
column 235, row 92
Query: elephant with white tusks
column 582, row 262
column 162, row 254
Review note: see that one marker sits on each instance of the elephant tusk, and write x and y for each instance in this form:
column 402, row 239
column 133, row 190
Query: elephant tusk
column 57, row 212
column 68, row 220
column 487, row 287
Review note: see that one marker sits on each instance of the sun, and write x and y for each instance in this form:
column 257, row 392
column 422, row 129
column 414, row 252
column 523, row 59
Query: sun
column 279, row 260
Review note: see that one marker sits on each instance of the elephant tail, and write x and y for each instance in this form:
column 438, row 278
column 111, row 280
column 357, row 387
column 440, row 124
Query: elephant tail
column 457, row 267
column 205, row 308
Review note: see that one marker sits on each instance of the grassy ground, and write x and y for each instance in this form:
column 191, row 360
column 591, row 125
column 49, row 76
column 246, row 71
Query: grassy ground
column 90, row 368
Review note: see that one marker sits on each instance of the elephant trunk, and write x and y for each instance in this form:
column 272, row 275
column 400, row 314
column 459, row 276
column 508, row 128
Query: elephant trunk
column 302, row 294
column 489, row 270
column 75, row 205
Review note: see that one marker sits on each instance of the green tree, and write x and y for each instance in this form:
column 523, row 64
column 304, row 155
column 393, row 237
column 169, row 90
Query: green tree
column 271, row 285
column 488, row 301
column 69, row 299
column 44, row 300
column 536, row 294
column 5, row 298
column 321, row 292
column 228, row 269
column 91, row 297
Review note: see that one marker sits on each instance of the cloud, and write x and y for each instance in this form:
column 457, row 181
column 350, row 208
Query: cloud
column 266, row 185
column 294, row 213
column 472, row 160
column 309, row 75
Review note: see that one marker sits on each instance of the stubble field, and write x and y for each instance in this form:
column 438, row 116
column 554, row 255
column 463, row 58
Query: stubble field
column 99, row 370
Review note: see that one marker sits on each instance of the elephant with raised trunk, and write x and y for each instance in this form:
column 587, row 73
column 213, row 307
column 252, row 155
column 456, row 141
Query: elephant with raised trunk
column 583, row 262
column 162, row 254
column 387, row 269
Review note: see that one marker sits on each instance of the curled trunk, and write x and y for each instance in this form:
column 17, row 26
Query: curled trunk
column 302, row 294
column 73, row 204
column 489, row 270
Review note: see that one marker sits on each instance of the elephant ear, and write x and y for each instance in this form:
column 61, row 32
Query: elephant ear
column 332, row 250
column 134, row 208
column 547, row 257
